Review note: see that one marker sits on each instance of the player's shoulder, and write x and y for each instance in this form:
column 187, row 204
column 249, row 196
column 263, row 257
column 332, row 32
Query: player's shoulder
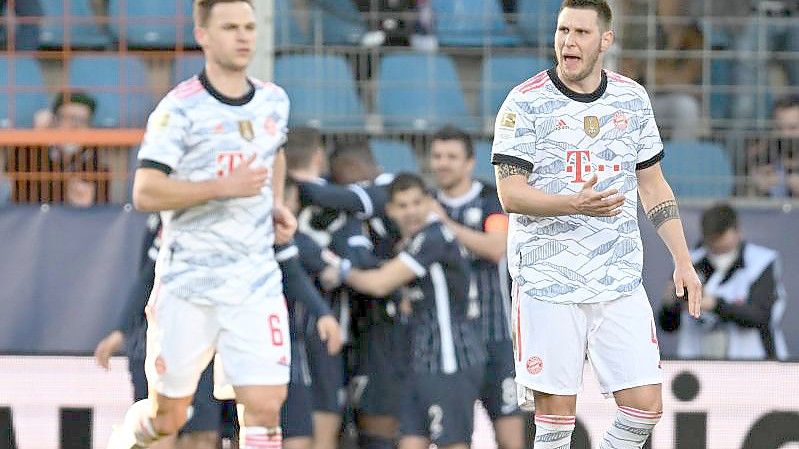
column 185, row 91
column 269, row 88
column 488, row 190
column 620, row 82
column 532, row 84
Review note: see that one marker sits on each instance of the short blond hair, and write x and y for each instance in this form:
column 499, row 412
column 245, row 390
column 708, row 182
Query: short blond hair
column 202, row 9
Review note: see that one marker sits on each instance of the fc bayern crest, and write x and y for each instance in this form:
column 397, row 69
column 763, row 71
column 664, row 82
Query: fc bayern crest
column 473, row 216
column 591, row 125
column 246, row 131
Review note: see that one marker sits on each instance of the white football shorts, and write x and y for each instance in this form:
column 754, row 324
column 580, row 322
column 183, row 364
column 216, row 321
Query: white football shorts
column 251, row 338
column 552, row 341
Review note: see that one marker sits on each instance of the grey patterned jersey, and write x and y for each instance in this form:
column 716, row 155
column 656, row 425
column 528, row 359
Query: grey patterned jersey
column 563, row 138
column 220, row 251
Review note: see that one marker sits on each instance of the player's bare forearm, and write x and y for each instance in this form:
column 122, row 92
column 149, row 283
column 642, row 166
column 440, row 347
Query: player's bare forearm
column 155, row 191
column 518, row 197
column 279, row 176
column 659, row 203
column 380, row 282
column 485, row 245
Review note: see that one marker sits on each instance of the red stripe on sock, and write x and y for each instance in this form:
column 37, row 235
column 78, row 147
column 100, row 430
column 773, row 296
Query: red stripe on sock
column 555, row 419
column 640, row 413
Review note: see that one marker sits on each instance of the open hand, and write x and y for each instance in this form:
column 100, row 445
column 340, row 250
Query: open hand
column 244, row 180
column 606, row 203
column 330, row 332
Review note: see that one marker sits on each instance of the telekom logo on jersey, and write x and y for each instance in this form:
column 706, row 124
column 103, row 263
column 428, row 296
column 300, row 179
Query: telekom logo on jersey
column 579, row 163
column 226, row 161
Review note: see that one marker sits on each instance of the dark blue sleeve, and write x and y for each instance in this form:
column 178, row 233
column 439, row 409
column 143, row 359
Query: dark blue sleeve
column 330, row 196
column 433, row 245
column 365, row 202
column 310, row 256
column 297, row 285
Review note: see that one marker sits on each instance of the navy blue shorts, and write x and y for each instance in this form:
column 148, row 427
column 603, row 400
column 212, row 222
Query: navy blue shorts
column 383, row 361
column 440, row 407
column 498, row 393
column 327, row 374
column 207, row 414
column 296, row 414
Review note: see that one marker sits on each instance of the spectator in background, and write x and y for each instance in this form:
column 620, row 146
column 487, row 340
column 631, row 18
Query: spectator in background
column 743, row 301
column 677, row 108
column 399, row 22
column 74, row 167
column 26, row 36
column 774, row 163
column 772, row 27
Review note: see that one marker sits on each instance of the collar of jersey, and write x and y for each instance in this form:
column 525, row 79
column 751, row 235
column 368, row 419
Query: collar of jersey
column 577, row 96
column 456, row 202
column 239, row 101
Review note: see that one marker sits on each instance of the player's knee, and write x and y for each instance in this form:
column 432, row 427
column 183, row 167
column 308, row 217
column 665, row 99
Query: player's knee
column 169, row 420
column 264, row 413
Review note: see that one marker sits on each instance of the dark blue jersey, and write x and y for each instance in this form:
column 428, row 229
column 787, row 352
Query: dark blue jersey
column 473, row 210
column 444, row 338
column 299, row 290
column 366, row 201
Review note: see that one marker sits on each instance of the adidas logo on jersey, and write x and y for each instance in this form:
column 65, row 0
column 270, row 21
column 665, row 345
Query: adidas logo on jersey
column 561, row 124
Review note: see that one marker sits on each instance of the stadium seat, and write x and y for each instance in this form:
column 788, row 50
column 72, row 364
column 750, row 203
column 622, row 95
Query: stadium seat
column 421, row 92
column 287, row 31
column 153, row 24
column 322, row 91
column 503, row 73
column 83, row 30
column 341, row 22
column 483, row 170
column 27, row 76
column 537, row 19
column 120, row 85
column 698, row 169
column 394, row 156
column 186, row 65
column 471, row 23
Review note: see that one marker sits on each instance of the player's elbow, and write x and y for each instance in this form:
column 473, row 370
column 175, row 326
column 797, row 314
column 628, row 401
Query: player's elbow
column 143, row 200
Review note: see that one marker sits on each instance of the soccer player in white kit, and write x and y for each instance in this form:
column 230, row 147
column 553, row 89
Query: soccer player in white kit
column 574, row 147
column 212, row 163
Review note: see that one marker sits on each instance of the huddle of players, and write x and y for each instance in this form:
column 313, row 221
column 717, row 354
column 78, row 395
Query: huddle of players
column 417, row 281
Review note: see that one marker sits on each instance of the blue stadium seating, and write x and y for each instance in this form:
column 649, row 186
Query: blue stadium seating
column 187, row 65
column 501, row 73
column 341, row 22
column 83, row 30
column 322, row 91
column 153, row 24
column 483, row 170
column 698, row 169
column 104, row 77
column 394, row 156
column 27, row 75
column 421, row 92
column 471, row 23
column 287, row 31
column 537, row 19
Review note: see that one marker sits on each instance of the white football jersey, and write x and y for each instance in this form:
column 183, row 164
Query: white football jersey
column 563, row 137
column 220, row 251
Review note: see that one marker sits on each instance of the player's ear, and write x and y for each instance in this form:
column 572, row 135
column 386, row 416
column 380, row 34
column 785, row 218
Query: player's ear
column 200, row 35
column 608, row 37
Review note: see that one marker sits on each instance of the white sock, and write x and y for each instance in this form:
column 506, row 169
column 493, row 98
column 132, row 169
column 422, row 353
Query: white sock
column 630, row 429
column 252, row 437
column 553, row 431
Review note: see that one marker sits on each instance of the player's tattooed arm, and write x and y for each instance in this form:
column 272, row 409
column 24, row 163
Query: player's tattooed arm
column 663, row 212
column 506, row 170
